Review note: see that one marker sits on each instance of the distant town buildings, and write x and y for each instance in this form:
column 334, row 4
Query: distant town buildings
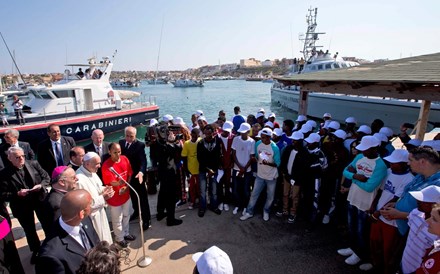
column 251, row 62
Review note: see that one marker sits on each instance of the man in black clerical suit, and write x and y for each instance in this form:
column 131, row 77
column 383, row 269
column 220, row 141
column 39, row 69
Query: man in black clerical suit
column 134, row 150
column 73, row 235
column 24, row 186
column 99, row 146
column 55, row 150
column 63, row 180
column 11, row 139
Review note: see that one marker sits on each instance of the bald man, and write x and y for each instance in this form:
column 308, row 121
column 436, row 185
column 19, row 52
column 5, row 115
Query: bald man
column 73, row 235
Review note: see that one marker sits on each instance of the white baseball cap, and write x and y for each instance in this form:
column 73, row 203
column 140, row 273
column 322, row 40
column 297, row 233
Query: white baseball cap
column 272, row 115
column 278, row 132
column 213, row 261
column 368, row 142
column 261, row 110
column 327, row 115
column 306, row 128
column 435, row 144
column 388, row 132
column 340, row 134
column 297, row 135
column 351, row 120
column 153, row 122
column 334, row 125
column 227, row 126
column 301, row 118
column 313, row 138
column 311, row 123
column 198, row 113
column 178, row 121
column 269, row 124
column 414, row 142
column 365, row 129
column 167, row 118
column 266, row 131
column 259, row 114
column 430, row 194
column 244, row 127
column 201, row 118
column 398, row 156
column 381, row 137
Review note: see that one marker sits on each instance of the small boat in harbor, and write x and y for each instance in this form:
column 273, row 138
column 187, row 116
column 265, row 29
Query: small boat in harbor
column 157, row 81
column 392, row 111
column 125, row 83
column 81, row 105
column 186, row 83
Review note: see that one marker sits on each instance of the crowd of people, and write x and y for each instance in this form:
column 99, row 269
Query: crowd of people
column 349, row 175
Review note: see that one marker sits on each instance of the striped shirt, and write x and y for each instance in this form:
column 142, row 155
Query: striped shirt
column 419, row 239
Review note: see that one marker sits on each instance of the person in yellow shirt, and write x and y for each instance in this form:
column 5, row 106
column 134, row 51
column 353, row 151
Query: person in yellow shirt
column 191, row 165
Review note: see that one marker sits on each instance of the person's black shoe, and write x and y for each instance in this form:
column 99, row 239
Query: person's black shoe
column 130, row 237
column 34, row 257
column 160, row 216
column 217, row 211
column 174, row 222
column 145, row 226
column 123, row 244
column 134, row 217
column 201, row 213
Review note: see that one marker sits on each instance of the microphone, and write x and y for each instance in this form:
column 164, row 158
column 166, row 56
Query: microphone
column 116, row 173
column 144, row 260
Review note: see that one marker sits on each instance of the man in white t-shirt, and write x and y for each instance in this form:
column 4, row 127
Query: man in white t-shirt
column 243, row 151
column 268, row 156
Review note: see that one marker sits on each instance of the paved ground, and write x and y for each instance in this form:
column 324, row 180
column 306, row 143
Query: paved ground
column 254, row 246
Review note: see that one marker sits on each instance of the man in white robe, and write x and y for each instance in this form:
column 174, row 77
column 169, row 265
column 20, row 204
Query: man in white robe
column 89, row 180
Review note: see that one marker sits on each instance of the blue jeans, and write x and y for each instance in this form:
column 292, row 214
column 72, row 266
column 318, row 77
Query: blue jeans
column 358, row 229
column 241, row 189
column 204, row 180
column 258, row 187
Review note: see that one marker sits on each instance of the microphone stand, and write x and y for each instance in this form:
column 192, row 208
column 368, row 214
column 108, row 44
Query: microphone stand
column 145, row 260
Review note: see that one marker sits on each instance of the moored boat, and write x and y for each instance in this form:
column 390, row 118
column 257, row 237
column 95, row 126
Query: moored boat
column 393, row 112
column 81, row 105
column 186, row 83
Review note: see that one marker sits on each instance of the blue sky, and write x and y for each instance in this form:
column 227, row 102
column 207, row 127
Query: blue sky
column 48, row 34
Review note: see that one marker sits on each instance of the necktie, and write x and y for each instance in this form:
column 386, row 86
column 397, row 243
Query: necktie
column 84, row 239
column 98, row 150
column 127, row 145
column 58, row 155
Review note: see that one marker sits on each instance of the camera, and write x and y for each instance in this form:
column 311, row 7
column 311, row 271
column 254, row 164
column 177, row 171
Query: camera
column 179, row 136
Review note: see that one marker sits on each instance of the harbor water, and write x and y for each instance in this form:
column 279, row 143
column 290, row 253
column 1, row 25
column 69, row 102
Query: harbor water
column 214, row 96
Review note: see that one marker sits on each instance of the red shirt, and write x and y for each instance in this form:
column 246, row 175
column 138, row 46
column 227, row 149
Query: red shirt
column 430, row 263
column 124, row 169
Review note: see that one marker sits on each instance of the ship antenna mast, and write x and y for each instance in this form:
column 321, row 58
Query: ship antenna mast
column 311, row 35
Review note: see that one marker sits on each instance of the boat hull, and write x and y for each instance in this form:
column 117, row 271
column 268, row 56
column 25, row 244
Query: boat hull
column 80, row 127
column 365, row 109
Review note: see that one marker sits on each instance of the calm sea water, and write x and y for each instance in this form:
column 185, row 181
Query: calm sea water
column 214, row 96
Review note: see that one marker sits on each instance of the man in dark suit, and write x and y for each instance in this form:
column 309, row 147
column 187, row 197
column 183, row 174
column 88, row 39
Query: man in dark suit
column 134, row 150
column 63, row 180
column 73, row 235
column 54, row 151
column 99, row 146
column 11, row 140
column 24, row 185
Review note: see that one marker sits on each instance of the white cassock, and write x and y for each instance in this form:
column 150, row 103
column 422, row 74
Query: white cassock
column 91, row 182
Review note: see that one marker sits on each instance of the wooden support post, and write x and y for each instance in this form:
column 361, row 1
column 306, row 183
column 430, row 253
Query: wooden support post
column 423, row 119
column 303, row 101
